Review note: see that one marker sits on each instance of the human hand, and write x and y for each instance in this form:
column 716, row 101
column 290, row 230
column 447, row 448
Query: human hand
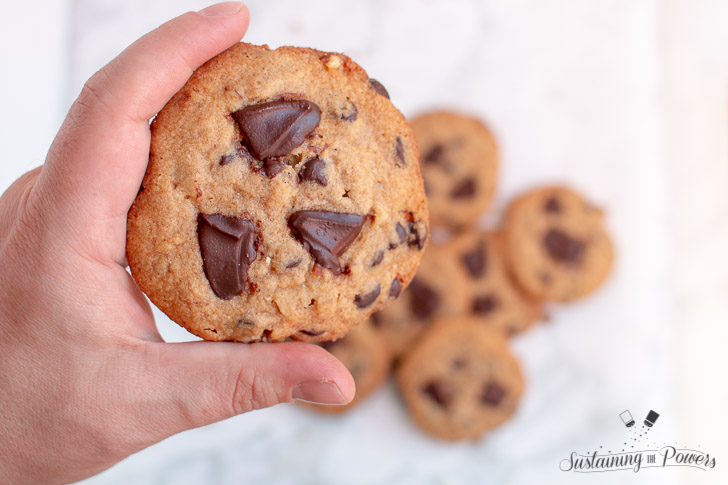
column 85, row 378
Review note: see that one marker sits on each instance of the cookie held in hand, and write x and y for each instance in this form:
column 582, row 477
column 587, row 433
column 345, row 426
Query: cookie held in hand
column 282, row 200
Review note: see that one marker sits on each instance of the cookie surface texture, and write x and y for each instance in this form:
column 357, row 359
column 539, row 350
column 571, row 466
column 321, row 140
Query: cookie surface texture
column 460, row 380
column 282, row 200
column 459, row 165
column 557, row 244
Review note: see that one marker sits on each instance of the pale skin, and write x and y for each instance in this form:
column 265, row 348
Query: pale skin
column 85, row 378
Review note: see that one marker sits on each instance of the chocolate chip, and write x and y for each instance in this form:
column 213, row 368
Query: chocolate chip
column 399, row 152
column 326, row 235
column 435, row 155
column 395, row 289
column 417, row 234
column 401, row 233
column 276, row 128
column 423, row 299
column 562, row 247
column 552, row 205
column 227, row 246
column 293, row 264
column 493, row 394
column 475, row 261
column 378, row 87
column 483, row 305
column 365, row 300
column 465, row 189
column 227, row 158
column 313, row 333
column 437, row 392
column 272, row 167
column 347, row 111
column 313, row 171
column 378, row 259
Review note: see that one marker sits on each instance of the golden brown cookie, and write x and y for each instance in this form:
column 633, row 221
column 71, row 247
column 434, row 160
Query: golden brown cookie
column 557, row 245
column 460, row 380
column 459, row 164
column 492, row 297
column 365, row 355
column 283, row 199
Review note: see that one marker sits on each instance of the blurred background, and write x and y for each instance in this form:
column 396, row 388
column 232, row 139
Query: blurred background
column 625, row 100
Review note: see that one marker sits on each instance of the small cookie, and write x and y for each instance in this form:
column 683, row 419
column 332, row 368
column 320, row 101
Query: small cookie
column 459, row 164
column 283, row 199
column 492, row 296
column 436, row 291
column 365, row 355
column 557, row 245
column 460, row 380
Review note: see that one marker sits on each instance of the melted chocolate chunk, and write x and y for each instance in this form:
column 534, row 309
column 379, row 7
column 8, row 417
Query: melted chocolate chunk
column 313, row 333
column 326, row 235
column 465, row 189
column 395, row 289
column 475, row 261
column 378, row 87
column 483, row 305
column 562, row 247
column 313, row 171
column 365, row 300
column 272, row 167
column 435, row 155
column 276, row 128
column 401, row 233
column 423, row 300
column 552, row 205
column 417, row 234
column 436, row 391
column 378, row 259
column 399, row 152
column 348, row 111
column 227, row 158
column 493, row 394
column 228, row 247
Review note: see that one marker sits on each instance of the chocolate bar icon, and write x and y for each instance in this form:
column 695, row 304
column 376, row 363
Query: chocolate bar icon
column 627, row 419
column 651, row 418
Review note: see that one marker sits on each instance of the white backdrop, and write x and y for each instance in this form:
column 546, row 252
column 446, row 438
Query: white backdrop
column 625, row 100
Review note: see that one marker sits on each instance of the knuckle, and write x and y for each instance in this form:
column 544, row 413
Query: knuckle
column 251, row 392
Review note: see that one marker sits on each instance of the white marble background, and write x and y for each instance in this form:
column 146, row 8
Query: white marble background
column 626, row 100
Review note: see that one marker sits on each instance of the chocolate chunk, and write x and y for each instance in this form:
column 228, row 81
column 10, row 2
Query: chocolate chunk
column 378, row 87
column 438, row 393
column 552, row 205
column 401, row 233
column 347, row 111
column 562, row 247
column 399, row 152
column 493, row 394
column 227, row 158
column 313, row 171
column 475, row 261
column 276, row 128
column 272, row 167
column 313, row 333
column 395, row 289
column 365, row 300
column 465, row 189
column 228, row 247
column 435, row 155
column 423, row 299
column 378, row 259
column 483, row 305
column 417, row 234
column 326, row 235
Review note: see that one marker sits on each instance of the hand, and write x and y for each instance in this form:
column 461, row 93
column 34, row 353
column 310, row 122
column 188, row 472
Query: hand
column 85, row 378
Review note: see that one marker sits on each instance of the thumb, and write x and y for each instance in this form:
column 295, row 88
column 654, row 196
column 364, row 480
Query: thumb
column 199, row 383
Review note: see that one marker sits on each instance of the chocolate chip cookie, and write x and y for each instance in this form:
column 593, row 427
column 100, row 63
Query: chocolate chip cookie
column 437, row 290
column 557, row 245
column 492, row 296
column 365, row 355
column 460, row 380
column 283, row 199
column 459, row 164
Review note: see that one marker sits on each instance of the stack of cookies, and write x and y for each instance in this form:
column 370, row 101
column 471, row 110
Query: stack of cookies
column 447, row 335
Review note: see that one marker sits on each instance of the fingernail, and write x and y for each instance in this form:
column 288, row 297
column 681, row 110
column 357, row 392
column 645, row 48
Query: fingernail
column 225, row 8
column 318, row 392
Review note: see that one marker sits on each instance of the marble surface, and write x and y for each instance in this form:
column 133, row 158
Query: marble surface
column 626, row 100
